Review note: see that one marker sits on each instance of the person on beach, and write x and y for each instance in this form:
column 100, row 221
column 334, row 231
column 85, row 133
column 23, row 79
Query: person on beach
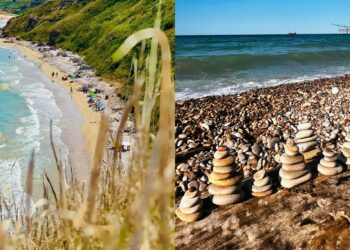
column 56, row 74
column 71, row 90
column 53, row 74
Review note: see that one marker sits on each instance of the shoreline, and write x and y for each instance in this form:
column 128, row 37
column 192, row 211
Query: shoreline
column 91, row 119
column 255, row 114
column 284, row 82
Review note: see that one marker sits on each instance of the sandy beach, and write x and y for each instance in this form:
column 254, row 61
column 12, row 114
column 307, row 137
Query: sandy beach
column 91, row 119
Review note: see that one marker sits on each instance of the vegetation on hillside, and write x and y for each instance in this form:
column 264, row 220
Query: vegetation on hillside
column 93, row 28
column 18, row 6
column 120, row 208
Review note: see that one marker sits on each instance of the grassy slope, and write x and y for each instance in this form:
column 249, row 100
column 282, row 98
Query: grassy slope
column 92, row 28
column 18, row 6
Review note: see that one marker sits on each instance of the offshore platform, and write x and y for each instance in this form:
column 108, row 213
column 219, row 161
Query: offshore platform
column 344, row 29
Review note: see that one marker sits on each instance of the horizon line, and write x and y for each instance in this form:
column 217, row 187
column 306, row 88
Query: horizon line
column 260, row 34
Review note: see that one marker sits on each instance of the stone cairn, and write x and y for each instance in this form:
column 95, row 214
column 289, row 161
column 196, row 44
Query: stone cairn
column 345, row 149
column 306, row 140
column 225, row 183
column 329, row 164
column 190, row 207
column 294, row 171
column 262, row 185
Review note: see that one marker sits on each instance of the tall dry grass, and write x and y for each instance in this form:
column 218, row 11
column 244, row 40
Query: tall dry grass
column 122, row 207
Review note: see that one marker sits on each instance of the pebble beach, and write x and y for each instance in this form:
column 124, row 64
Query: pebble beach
column 289, row 144
column 255, row 124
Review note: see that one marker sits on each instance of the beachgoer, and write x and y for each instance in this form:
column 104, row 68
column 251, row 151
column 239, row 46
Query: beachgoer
column 71, row 89
column 53, row 74
column 9, row 57
column 56, row 74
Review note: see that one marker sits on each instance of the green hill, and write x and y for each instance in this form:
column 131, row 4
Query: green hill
column 18, row 6
column 92, row 28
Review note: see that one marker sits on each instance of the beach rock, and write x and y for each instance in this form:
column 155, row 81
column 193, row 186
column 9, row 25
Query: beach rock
column 262, row 185
column 225, row 183
column 335, row 90
column 220, row 154
column 223, row 162
column 190, row 206
column 291, row 159
column 223, row 200
column 307, row 141
column 272, row 142
column 293, row 171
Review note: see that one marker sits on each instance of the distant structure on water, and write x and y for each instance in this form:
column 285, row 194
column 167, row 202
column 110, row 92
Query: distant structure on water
column 292, row 33
column 342, row 28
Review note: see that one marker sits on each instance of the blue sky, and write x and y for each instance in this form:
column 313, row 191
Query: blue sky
column 202, row 17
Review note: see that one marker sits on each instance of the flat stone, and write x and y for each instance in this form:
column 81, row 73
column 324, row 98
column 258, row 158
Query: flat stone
column 328, row 152
column 189, row 202
column 223, row 170
column 218, row 190
column 262, row 194
column 307, row 139
column 304, row 126
column 223, row 200
column 291, row 149
column 261, row 189
column 218, row 176
column 228, row 182
column 328, row 163
column 347, row 138
column 221, row 148
column 220, row 154
column 287, row 159
column 304, row 134
column 329, row 171
column 294, row 167
column 295, row 182
column 330, row 159
column 223, row 162
column 346, row 145
column 290, row 175
column 192, row 210
column 271, row 142
column 303, row 147
column 346, row 152
column 256, row 149
column 259, row 174
column 187, row 217
column 262, row 182
column 311, row 154
column 291, row 153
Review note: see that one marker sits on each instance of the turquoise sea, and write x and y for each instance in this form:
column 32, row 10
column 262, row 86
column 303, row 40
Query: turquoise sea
column 28, row 102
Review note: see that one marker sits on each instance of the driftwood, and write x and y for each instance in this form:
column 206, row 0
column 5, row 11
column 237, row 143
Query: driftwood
column 312, row 217
column 184, row 155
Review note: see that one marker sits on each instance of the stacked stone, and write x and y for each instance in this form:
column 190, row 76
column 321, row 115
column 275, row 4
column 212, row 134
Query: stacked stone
column 262, row 185
column 294, row 171
column 345, row 149
column 190, row 207
column 306, row 140
column 329, row 164
column 225, row 184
